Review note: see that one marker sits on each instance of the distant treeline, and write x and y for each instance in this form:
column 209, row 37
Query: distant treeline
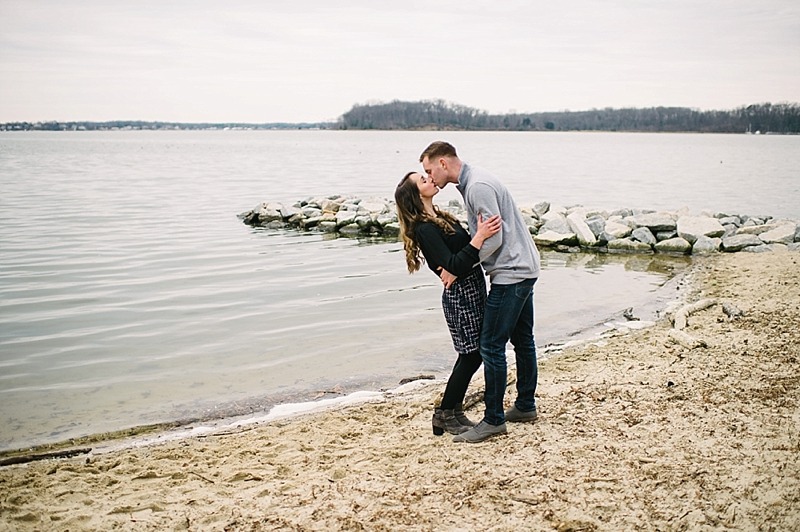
column 438, row 115
column 143, row 125
column 781, row 118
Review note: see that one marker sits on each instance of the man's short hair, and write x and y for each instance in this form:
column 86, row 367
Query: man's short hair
column 438, row 149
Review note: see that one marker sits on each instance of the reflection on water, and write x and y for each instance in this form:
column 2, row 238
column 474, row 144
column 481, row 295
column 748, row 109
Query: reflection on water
column 658, row 263
column 578, row 292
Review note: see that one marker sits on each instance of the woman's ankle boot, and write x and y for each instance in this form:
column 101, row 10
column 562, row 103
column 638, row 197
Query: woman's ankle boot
column 461, row 418
column 445, row 420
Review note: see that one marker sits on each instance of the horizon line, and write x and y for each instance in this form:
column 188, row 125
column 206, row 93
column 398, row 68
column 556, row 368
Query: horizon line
column 285, row 122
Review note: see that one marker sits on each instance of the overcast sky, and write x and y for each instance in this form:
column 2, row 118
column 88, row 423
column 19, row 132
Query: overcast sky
column 312, row 60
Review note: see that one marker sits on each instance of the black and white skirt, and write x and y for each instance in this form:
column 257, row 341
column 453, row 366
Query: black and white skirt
column 464, row 303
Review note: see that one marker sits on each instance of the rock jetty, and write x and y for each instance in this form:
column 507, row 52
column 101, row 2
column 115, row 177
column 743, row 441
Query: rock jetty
column 570, row 229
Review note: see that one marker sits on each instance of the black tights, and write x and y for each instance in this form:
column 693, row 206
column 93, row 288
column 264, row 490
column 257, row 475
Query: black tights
column 457, row 384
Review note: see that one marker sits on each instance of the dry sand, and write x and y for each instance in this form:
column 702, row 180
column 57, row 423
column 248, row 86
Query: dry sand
column 636, row 432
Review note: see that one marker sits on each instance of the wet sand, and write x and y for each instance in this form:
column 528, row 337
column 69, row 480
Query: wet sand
column 636, row 431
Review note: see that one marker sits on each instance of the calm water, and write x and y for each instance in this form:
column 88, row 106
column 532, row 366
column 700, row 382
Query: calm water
column 130, row 293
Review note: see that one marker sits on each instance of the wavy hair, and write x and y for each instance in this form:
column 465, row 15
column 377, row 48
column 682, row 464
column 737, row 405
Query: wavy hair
column 410, row 212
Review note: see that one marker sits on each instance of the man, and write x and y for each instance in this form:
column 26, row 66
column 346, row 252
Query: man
column 511, row 260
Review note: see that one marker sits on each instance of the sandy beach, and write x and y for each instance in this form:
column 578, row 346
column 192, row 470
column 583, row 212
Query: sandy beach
column 636, row 432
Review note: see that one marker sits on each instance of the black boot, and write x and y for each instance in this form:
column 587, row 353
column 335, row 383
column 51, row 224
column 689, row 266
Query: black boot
column 461, row 418
column 445, row 420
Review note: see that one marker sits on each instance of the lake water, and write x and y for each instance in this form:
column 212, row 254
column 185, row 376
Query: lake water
column 130, row 293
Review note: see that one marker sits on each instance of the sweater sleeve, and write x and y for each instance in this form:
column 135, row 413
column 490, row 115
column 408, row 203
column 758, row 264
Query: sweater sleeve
column 483, row 200
column 434, row 248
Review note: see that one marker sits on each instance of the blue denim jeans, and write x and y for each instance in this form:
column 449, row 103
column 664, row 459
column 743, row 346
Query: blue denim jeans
column 509, row 317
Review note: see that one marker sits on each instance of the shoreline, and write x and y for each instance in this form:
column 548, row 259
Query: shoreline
column 635, row 431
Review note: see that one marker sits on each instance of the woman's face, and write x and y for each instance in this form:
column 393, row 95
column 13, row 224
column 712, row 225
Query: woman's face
column 425, row 185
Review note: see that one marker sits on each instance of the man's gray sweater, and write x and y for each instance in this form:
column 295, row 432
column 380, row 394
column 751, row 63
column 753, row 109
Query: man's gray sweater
column 509, row 256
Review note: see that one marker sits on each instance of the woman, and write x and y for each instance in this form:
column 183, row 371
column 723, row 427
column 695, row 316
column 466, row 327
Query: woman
column 449, row 251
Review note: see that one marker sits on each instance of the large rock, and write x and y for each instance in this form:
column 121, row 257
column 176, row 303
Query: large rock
column 597, row 224
column 350, row 229
column 345, row 217
column 555, row 222
column 751, row 228
column 541, row 208
column 329, row 205
column 364, row 222
column 644, row 235
column 373, row 205
column 532, row 223
column 783, row 234
column 530, row 217
column 705, row 244
column 739, row 242
column 617, row 229
column 690, row 228
column 628, row 245
column 730, row 220
column 391, row 229
column 311, row 212
column 754, row 220
column 674, row 245
column 270, row 212
column 656, row 221
column 288, row 211
column 605, row 238
column 309, row 223
column 581, row 229
column 386, row 218
column 327, row 226
column 552, row 238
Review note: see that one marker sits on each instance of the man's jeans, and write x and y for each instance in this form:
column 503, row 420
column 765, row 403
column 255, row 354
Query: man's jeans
column 509, row 316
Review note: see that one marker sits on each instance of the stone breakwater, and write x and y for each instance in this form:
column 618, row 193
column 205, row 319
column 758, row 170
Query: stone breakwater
column 569, row 229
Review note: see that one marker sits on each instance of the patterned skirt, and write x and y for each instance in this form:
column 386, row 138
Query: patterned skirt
column 464, row 303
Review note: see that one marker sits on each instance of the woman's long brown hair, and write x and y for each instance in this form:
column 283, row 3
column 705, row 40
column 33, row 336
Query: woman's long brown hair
column 410, row 212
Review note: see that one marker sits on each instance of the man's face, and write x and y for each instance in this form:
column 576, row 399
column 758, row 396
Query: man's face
column 436, row 169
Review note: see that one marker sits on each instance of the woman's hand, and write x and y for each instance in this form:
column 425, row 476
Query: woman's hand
column 447, row 278
column 488, row 227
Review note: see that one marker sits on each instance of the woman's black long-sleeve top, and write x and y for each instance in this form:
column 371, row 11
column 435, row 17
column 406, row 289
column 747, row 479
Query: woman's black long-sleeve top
column 452, row 252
